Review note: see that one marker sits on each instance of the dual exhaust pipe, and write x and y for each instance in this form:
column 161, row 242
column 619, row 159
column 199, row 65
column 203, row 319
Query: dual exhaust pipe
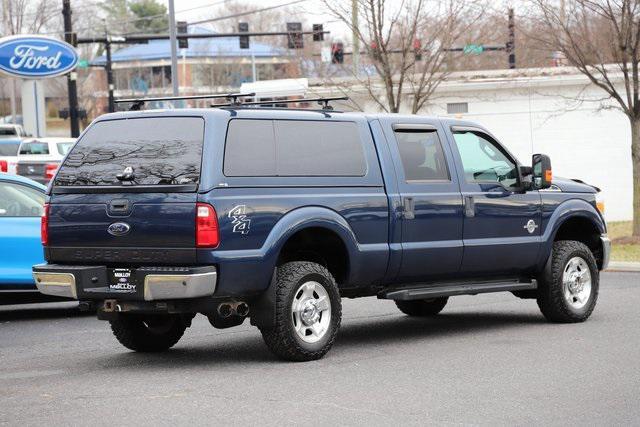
column 228, row 309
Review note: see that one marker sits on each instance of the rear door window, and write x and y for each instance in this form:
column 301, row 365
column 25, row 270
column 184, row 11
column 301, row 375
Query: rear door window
column 151, row 151
column 293, row 148
column 422, row 155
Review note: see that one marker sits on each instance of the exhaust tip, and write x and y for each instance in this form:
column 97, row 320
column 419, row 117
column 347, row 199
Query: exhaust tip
column 224, row 310
column 242, row 309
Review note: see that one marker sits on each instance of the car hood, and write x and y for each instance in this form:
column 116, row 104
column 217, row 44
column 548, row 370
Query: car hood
column 573, row 185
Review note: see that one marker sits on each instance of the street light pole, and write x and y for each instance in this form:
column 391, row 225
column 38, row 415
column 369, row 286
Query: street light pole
column 174, row 48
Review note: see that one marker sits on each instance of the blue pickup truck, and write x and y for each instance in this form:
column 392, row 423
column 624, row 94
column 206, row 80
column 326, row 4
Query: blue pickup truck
column 275, row 214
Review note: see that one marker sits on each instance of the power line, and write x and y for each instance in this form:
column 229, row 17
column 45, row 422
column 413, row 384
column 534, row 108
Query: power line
column 222, row 18
column 251, row 12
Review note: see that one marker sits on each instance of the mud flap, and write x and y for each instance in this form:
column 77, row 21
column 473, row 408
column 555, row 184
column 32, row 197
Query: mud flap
column 263, row 310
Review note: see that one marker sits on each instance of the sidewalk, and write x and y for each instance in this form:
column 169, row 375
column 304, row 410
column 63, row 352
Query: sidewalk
column 624, row 266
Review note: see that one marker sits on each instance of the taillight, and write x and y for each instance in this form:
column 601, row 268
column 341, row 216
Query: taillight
column 50, row 170
column 4, row 166
column 44, row 226
column 206, row 226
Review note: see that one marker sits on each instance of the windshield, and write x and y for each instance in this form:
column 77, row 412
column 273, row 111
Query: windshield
column 64, row 147
column 34, row 147
column 9, row 149
column 143, row 151
column 8, row 131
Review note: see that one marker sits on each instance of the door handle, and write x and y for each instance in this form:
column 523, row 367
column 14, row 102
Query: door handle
column 469, row 207
column 408, row 208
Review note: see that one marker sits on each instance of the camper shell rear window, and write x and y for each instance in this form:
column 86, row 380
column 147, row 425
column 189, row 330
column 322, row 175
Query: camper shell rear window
column 141, row 151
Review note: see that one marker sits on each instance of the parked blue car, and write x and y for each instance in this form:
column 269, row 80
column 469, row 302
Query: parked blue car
column 21, row 204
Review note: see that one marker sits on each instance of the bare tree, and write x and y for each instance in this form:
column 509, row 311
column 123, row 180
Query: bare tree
column 601, row 38
column 392, row 38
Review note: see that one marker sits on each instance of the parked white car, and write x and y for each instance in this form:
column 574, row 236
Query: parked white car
column 39, row 158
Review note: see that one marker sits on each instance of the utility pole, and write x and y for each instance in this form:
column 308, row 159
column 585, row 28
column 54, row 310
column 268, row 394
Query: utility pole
column 174, row 48
column 511, row 43
column 109, row 71
column 70, row 38
column 355, row 59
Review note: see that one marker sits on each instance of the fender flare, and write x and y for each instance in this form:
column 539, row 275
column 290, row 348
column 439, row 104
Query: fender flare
column 569, row 209
column 308, row 217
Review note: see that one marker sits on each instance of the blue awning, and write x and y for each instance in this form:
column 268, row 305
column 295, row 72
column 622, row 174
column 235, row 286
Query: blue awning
column 198, row 48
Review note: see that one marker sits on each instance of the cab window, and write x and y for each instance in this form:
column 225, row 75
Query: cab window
column 484, row 160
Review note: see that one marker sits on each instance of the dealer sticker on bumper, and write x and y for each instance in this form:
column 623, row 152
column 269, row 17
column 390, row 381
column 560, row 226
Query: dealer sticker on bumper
column 121, row 280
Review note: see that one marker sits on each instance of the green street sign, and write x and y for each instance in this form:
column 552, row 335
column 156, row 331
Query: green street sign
column 473, row 49
column 83, row 63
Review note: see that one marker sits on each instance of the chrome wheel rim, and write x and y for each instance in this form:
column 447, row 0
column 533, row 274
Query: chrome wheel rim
column 576, row 282
column 311, row 312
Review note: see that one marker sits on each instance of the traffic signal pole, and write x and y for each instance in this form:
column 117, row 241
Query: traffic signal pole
column 174, row 49
column 109, row 70
column 511, row 42
column 70, row 38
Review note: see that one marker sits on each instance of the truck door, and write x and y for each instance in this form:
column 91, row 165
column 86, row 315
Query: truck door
column 501, row 222
column 430, row 202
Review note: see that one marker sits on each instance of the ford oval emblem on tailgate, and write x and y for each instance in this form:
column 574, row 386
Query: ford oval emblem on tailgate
column 118, row 228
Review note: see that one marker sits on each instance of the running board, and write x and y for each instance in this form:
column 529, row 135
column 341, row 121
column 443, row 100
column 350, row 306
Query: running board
column 435, row 291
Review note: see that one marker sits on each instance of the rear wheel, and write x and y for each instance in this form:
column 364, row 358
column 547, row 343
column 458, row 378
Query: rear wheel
column 422, row 308
column 308, row 312
column 150, row 333
column 569, row 289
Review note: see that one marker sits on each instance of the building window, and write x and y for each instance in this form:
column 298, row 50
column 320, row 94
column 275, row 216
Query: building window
column 457, row 108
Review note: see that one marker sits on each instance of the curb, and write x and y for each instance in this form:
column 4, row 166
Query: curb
column 626, row 266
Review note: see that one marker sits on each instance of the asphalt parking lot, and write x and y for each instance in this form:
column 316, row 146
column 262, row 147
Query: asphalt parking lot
column 488, row 359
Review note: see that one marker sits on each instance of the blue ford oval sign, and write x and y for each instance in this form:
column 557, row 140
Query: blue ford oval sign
column 36, row 56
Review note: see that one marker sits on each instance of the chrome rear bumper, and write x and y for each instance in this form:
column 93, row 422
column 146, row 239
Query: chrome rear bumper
column 143, row 284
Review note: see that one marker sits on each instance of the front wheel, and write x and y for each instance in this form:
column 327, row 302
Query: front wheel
column 308, row 312
column 569, row 289
column 150, row 333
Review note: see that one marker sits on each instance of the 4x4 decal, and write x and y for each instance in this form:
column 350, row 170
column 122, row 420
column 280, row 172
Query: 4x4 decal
column 239, row 219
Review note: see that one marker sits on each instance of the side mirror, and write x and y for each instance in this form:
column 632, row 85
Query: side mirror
column 542, row 176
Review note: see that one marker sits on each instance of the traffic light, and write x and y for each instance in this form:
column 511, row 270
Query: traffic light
column 243, row 27
column 417, row 49
column 295, row 35
column 375, row 50
column 318, row 33
column 337, row 53
column 181, row 26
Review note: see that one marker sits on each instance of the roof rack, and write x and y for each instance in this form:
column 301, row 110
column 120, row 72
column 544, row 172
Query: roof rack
column 323, row 102
column 138, row 103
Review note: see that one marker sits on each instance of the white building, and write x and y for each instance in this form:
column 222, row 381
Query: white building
column 535, row 111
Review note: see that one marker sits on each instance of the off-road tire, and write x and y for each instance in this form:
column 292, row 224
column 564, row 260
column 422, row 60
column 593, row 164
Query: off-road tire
column 282, row 339
column 551, row 300
column 133, row 333
column 422, row 308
